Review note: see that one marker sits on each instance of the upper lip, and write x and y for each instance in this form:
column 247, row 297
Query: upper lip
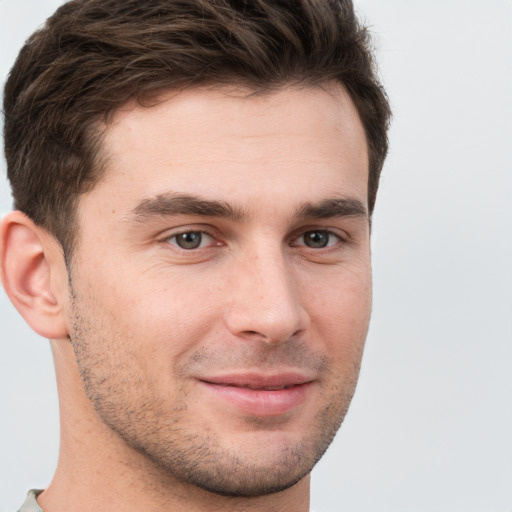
column 259, row 381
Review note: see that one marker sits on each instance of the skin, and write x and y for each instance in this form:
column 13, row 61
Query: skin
column 142, row 327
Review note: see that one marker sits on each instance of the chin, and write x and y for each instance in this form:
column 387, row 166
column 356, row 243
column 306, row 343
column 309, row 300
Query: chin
column 246, row 479
column 255, row 463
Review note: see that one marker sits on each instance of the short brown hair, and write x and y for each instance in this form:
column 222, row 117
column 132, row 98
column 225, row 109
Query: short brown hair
column 92, row 56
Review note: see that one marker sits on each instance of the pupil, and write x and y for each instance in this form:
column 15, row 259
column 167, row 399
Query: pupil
column 316, row 239
column 190, row 240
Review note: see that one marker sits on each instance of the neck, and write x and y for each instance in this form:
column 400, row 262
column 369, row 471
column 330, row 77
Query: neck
column 98, row 471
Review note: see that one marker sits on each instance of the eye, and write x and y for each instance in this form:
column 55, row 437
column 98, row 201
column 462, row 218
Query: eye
column 190, row 240
column 318, row 239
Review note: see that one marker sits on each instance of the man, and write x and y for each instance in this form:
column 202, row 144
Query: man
column 193, row 184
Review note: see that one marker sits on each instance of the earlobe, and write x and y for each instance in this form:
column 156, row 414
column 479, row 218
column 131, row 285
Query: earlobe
column 33, row 272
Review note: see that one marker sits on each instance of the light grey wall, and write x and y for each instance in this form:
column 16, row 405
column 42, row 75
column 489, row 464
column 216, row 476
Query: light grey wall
column 430, row 428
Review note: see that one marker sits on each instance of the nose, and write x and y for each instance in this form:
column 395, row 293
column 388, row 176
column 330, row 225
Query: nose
column 264, row 298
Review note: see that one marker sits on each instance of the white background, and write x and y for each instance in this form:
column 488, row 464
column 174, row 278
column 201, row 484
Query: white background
column 430, row 428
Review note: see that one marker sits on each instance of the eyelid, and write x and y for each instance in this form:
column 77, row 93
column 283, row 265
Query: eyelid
column 170, row 234
column 341, row 236
column 205, row 240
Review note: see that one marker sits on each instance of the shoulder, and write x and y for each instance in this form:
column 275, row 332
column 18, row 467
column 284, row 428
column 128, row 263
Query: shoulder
column 30, row 504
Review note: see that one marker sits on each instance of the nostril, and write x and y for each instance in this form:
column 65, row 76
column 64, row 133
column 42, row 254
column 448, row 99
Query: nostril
column 257, row 334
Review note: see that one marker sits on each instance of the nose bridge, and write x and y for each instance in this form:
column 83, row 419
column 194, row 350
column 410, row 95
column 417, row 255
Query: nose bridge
column 265, row 299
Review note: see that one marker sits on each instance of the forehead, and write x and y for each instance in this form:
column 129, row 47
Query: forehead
column 237, row 145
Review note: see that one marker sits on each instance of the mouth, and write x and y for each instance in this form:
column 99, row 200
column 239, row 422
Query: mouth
column 262, row 388
column 259, row 395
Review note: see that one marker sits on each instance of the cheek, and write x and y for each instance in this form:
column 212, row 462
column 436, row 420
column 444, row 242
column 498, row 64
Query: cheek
column 339, row 308
column 162, row 319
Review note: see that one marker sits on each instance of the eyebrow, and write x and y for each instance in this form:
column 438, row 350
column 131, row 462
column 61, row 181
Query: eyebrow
column 329, row 208
column 184, row 204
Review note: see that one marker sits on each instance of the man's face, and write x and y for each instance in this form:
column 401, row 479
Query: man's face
column 221, row 286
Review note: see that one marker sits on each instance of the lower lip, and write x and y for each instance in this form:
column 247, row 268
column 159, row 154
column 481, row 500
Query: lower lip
column 258, row 402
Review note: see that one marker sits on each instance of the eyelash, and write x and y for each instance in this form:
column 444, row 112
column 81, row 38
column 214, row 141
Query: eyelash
column 330, row 234
column 199, row 232
column 173, row 239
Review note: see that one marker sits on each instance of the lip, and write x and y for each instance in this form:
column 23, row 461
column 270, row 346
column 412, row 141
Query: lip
column 260, row 395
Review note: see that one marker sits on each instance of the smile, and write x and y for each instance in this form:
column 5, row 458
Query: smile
column 258, row 395
column 263, row 388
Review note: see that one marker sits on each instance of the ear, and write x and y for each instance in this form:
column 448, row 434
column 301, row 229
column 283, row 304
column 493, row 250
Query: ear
column 34, row 274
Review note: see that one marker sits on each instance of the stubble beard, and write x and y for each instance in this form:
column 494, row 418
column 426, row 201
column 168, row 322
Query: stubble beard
column 136, row 412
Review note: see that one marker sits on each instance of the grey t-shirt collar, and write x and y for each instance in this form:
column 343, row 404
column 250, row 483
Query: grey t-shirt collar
column 30, row 504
